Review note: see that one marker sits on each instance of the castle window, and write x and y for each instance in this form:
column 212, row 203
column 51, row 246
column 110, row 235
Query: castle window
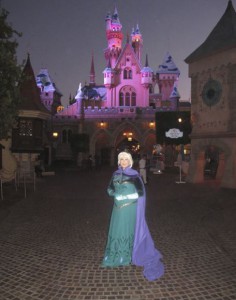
column 127, row 99
column 133, row 99
column 25, row 127
column 127, row 73
column 127, row 96
column 121, row 99
column 130, row 74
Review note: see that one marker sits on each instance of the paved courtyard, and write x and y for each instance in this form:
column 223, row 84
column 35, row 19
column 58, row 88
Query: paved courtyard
column 52, row 242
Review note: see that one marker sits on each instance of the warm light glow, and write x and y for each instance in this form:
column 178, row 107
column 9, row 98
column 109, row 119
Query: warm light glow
column 179, row 120
column 55, row 134
column 130, row 139
column 102, row 124
column 60, row 108
column 151, row 124
column 128, row 134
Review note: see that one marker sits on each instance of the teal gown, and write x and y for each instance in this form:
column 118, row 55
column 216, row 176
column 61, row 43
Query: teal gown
column 121, row 233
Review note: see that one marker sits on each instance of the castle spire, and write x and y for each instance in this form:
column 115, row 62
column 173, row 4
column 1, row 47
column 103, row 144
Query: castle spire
column 137, row 41
column 92, row 73
column 146, row 63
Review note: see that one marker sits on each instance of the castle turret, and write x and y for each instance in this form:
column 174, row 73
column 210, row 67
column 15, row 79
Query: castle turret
column 114, row 38
column 174, row 97
column 49, row 93
column 167, row 75
column 147, row 75
column 79, row 101
column 108, row 76
column 137, row 42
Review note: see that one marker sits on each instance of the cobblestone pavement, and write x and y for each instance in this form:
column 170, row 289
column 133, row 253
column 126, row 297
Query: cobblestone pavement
column 52, row 242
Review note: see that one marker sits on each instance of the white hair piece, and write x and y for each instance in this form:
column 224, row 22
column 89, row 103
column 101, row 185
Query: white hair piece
column 125, row 155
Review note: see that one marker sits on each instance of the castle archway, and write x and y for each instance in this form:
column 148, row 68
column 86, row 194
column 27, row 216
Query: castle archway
column 217, row 150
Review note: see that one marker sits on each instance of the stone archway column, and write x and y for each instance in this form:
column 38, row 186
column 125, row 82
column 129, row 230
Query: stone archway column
column 9, row 162
column 229, row 177
column 196, row 166
column 112, row 162
column 221, row 167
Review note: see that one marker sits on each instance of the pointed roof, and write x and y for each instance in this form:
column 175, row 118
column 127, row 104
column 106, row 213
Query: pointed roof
column 79, row 94
column 130, row 49
column 45, row 80
column 92, row 69
column 30, row 94
column 168, row 66
column 136, row 31
column 175, row 92
column 108, row 16
column 108, row 68
column 115, row 16
column 147, row 68
column 92, row 72
column 146, row 62
column 97, row 92
column 221, row 38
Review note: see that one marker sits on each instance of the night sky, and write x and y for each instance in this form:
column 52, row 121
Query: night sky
column 61, row 35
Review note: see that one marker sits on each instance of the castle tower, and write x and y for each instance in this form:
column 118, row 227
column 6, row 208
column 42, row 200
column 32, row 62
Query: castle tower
column 49, row 93
column 147, row 75
column 167, row 75
column 79, row 101
column 137, row 42
column 174, row 97
column 114, row 37
column 108, row 76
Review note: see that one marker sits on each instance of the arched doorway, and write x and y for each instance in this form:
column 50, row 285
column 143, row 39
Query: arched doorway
column 130, row 145
column 212, row 155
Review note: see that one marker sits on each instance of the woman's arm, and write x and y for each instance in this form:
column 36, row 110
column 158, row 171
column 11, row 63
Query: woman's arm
column 139, row 186
column 111, row 188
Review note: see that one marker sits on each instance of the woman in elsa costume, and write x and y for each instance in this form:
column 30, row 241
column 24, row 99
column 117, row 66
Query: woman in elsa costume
column 129, row 240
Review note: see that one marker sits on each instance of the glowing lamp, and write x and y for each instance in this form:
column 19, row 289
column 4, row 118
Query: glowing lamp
column 180, row 120
column 55, row 134
column 151, row 124
column 102, row 124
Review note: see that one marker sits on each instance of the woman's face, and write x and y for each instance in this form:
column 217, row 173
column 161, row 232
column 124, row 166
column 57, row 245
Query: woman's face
column 124, row 162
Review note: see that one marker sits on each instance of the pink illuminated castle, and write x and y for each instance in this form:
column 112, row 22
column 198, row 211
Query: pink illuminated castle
column 126, row 102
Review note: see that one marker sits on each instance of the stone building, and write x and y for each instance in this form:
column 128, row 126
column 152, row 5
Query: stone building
column 212, row 69
column 30, row 135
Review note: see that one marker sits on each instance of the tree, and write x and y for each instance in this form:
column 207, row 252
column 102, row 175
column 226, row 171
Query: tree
column 10, row 74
